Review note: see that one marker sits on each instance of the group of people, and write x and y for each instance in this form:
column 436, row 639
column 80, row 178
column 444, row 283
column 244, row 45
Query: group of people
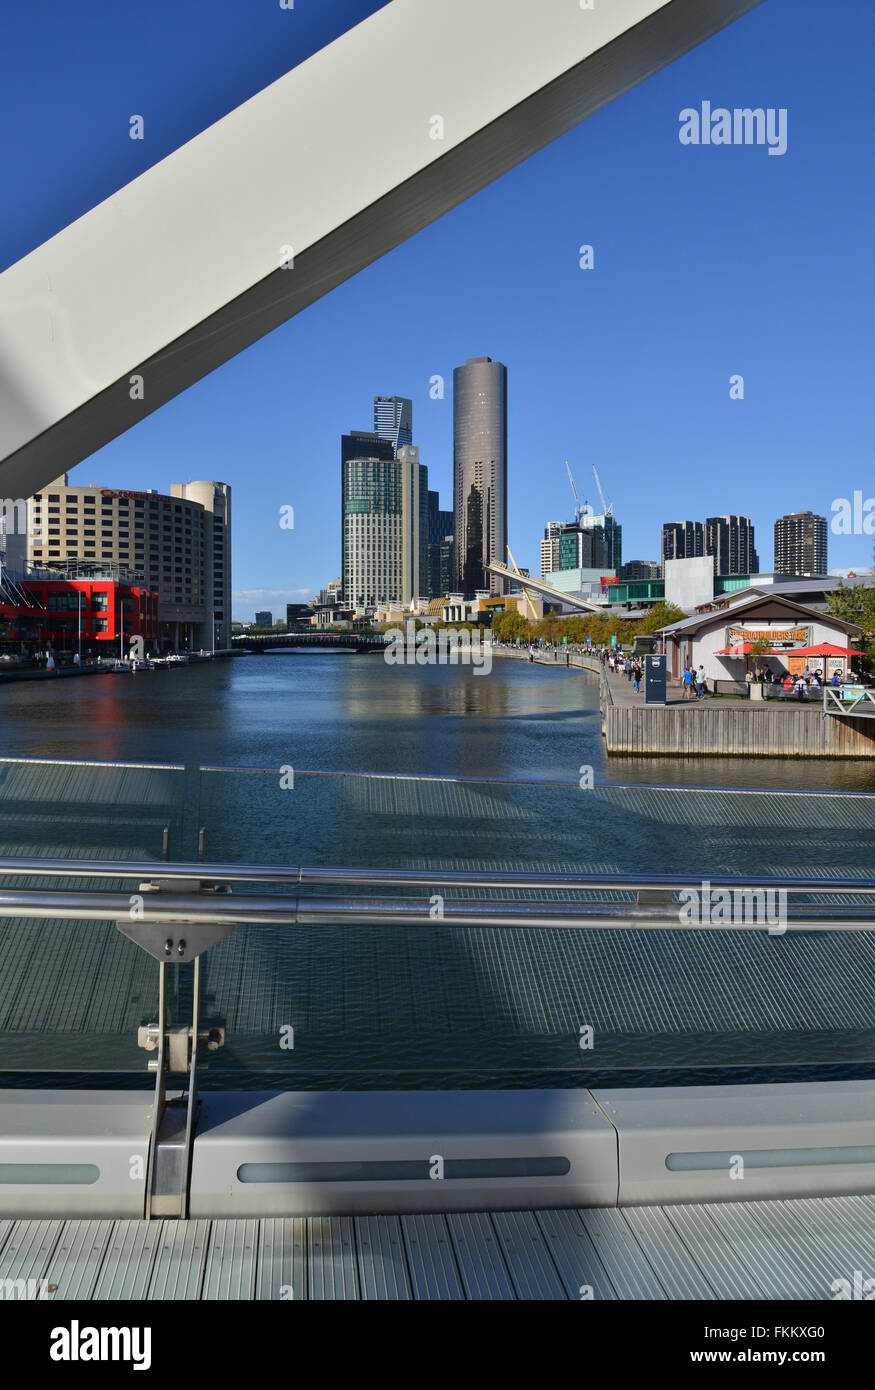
column 804, row 683
column 625, row 665
column 695, row 683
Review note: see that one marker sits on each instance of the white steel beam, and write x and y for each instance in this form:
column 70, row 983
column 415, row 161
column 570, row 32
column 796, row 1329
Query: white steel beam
column 350, row 153
column 538, row 586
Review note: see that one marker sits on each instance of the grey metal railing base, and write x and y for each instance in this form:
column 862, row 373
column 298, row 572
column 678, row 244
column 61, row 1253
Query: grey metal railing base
column 341, row 1152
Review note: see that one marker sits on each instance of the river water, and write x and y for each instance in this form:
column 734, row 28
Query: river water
column 323, row 711
column 433, row 1005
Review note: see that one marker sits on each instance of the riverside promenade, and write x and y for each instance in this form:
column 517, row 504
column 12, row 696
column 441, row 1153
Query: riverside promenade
column 715, row 726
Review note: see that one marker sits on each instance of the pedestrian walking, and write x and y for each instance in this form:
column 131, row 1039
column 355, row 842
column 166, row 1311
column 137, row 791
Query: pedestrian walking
column 700, row 683
column 688, row 683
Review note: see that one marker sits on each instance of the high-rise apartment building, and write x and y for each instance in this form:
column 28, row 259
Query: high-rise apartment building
column 682, row 540
column 372, row 540
column 358, row 447
column 180, row 545
column 393, row 420
column 385, row 528
column 730, row 539
column 550, row 547
column 801, row 542
column 479, row 473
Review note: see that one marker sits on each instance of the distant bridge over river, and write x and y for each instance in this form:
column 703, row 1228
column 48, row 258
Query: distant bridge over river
column 259, row 643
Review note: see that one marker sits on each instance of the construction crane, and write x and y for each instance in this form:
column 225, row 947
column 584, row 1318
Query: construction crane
column 580, row 508
column 573, row 489
column 607, row 507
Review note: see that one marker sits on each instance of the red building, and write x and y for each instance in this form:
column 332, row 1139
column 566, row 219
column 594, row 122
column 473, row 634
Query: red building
column 97, row 614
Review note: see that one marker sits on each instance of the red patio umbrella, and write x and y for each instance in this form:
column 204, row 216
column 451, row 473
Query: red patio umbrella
column 743, row 649
column 825, row 649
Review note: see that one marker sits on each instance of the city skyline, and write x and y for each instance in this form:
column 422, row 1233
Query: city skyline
column 626, row 365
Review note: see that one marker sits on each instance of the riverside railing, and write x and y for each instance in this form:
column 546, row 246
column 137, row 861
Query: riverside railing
column 475, row 925
column 177, row 912
column 847, row 701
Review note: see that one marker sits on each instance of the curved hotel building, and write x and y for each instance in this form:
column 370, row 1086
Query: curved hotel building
column 180, row 546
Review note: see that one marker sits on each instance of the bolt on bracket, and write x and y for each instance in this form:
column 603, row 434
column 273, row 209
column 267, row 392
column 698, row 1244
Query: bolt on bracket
column 179, row 1044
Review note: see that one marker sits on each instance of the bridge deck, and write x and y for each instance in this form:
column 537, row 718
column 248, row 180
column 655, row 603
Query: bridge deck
column 793, row 1249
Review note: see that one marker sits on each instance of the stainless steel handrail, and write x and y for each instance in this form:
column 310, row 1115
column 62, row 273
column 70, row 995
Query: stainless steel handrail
column 154, row 870
column 206, row 908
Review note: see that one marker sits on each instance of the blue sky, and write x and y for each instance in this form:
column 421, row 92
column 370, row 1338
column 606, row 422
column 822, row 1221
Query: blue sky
column 709, row 262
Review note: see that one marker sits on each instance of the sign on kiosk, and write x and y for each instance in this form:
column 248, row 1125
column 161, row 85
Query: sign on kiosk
column 778, row 638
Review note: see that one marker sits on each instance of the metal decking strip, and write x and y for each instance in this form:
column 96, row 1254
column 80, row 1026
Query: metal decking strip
column 792, row 1249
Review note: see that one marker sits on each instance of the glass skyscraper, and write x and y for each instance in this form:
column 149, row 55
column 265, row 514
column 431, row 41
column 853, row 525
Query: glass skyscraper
column 393, row 420
column 440, row 530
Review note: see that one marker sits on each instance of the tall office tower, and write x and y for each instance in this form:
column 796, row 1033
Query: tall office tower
column 682, row 539
column 576, row 547
column 641, row 569
column 730, row 540
column 393, row 420
column 215, row 498
column 550, row 547
column 358, row 445
column 801, row 540
column 414, row 524
column 610, row 540
column 440, row 526
column 590, row 542
column 479, row 473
